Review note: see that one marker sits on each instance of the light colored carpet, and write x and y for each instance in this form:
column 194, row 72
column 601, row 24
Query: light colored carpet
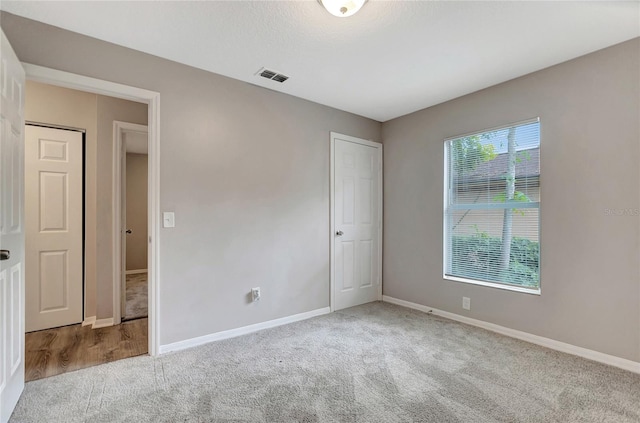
column 136, row 300
column 372, row 363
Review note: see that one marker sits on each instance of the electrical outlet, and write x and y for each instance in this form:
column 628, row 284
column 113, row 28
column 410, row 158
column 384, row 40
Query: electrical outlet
column 466, row 303
column 255, row 294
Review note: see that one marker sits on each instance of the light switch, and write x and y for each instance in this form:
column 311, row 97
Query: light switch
column 168, row 220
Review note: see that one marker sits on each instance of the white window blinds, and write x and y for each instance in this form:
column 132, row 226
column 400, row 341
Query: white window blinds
column 492, row 202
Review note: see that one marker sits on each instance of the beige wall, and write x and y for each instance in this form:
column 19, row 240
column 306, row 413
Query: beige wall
column 95, row 114
column 246, row 171
column 109, row 109
column 590, row 119
column 137, row 211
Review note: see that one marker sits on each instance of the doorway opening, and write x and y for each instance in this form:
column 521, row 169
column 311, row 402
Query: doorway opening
column 131, row 188
column 100, row 304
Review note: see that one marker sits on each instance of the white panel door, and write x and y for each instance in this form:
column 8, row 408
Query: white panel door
column 11, row 230
column 53, row 221
column 357, row 224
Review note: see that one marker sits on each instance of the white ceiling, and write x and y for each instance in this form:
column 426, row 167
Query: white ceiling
column 390, row 59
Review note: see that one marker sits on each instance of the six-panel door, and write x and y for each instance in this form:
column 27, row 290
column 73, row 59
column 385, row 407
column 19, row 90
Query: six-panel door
column 11, row 229
column 357, row 278
column 53, row 209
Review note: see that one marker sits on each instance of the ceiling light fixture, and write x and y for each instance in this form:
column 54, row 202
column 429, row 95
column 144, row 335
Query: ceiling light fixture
column 342, row 8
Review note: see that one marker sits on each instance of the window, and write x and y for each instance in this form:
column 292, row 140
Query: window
column 492, row 203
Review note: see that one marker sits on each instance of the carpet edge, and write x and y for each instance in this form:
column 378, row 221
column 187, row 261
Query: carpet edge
column 600, row 357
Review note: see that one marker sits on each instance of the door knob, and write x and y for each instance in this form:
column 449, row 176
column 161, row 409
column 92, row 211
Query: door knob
column 5, row 254
column 339, row 233
column 129, row 231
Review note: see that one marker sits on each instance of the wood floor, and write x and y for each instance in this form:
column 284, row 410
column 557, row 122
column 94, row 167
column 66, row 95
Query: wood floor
column 54, row 351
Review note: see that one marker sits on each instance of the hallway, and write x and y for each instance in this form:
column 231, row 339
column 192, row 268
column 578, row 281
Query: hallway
column 60, row 350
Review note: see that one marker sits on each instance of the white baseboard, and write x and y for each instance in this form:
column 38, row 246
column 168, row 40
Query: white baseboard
column 622, row 363
column 97, row 323
column 232, row 333
column 103, row 323
column 135, row 271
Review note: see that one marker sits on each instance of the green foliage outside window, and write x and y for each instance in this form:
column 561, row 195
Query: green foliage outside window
column 476, row 255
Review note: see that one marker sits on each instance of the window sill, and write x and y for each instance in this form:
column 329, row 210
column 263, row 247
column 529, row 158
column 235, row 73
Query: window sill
column 515, row 288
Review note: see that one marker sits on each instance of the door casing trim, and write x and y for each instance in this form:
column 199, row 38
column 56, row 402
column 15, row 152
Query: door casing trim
column 152, row 99
column 334, row 136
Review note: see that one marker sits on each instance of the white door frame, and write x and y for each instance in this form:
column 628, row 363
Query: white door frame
column 119, row 207
column 152, row 99
column 334, row 136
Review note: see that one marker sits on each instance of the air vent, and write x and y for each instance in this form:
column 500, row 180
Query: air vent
column 267, row 74
column 280, row 78
column 272, row 75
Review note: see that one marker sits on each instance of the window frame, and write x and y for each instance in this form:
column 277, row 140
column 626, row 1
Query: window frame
column 446, row 238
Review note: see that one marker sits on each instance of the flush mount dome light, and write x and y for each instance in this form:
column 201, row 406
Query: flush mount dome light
column 342, row 8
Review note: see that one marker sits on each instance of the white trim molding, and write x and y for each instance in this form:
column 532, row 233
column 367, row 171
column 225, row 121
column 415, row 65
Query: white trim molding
column 98, row 323
column 152, row 99
column 232, row 333
column 102, row 323
column 135, row 272
column 332, row 214
column 611, row 360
